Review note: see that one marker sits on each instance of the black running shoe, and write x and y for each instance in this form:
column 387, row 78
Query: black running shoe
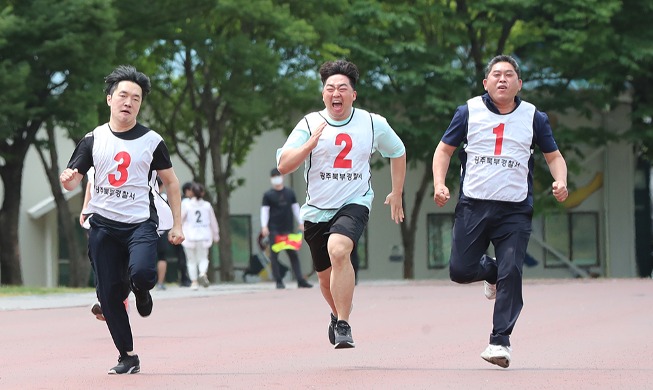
column 332, row 329
column 343, row 335
column 143, row 302
column 127, row 365
column 304, row 284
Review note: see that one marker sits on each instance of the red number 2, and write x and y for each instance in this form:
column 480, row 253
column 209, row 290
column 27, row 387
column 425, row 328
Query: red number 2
column 125, row 159
column 498, row 131
column 341, row 161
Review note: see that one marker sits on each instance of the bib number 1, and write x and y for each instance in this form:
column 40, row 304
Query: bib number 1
column 498, row 143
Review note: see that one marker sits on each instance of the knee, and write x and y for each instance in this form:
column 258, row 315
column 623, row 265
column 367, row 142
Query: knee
column 339, row 255
column 144, row 278
column 460, row 274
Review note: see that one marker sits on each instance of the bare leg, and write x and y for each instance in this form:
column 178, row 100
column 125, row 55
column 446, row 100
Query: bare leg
column 343, row 278
column 324, row 277
column 161, row 267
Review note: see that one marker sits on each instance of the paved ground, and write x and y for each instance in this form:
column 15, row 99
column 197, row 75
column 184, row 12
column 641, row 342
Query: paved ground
column 572, row 334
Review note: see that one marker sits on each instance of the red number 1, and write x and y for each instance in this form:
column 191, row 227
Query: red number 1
column 498, row 131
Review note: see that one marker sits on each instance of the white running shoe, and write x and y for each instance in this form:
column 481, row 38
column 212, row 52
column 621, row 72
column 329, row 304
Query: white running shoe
column 497, row 354
column 204, row 280
column 490, row 290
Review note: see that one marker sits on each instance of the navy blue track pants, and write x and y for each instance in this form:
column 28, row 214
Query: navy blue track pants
column 124, row 257
column 507, row 226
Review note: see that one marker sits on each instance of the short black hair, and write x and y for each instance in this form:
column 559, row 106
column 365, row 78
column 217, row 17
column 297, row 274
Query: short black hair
column 502, row 58
column 126, row 73
column 342, row 67
column 186, row 186
column 275, row 172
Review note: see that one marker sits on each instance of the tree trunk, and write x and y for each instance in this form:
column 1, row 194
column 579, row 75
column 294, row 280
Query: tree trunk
column 226, row 255
column 220, row 178
column 10, row 269
column 409, row 226
column 79, row 264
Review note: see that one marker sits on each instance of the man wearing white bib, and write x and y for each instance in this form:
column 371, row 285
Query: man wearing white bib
column 498, row 132
column 336, row 145
column 122, row 244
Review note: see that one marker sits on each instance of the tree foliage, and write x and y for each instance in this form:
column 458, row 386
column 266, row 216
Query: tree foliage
column 50, row 54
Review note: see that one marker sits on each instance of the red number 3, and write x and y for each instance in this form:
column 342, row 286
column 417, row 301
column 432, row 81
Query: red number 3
column 341, row 161
column 125, row 159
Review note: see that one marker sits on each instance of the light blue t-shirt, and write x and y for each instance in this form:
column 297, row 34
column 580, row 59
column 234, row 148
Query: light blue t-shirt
column 385, row 140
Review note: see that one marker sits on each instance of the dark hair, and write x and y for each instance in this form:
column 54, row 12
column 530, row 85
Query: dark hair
column 502, row 58
column 275, row 172
column 198, row 190
column 126, row 73
column 342, row 67
column 186, row 186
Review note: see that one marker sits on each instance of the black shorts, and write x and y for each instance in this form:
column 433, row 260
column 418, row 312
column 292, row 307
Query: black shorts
column 162, row 246
column 350, row 221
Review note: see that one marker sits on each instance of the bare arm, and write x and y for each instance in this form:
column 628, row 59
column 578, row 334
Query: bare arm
column 70, row 178
column 558, row 168
column 292, row 158
column 394, row 198
column 171, row 183
column 441, row 160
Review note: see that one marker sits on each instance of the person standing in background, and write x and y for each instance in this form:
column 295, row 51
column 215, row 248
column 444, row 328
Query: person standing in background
column 182, row 266
column 201, row 230
column 278, row 213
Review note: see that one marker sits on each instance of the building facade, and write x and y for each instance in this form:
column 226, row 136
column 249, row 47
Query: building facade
column 594, row 235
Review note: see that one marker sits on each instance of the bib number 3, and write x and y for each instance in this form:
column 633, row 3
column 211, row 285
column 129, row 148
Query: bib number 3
column 119, row 178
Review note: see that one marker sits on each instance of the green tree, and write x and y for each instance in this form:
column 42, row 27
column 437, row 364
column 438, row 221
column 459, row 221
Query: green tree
column 49, row 53
column 422, row 58
column 222, row 70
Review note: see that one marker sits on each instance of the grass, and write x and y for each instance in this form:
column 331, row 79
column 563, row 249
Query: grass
column 9, row 291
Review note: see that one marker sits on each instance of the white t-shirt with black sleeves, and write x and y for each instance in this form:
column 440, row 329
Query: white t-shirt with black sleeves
column 123, row 163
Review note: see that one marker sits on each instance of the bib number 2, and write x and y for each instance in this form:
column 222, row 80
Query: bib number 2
column 341, row 160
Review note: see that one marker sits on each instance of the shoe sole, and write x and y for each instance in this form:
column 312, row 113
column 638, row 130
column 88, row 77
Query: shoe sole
column 97, row 312
column 133, row 370
column 332, row 334
column 344, row 345
column 498, row 360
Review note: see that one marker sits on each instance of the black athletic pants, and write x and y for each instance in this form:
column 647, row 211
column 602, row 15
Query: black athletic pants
column 507, row 226
column 124, row 257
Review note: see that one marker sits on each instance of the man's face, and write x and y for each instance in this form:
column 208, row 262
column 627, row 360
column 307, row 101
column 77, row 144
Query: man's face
column 125, row 102
column 338, row 97
column 502, row 83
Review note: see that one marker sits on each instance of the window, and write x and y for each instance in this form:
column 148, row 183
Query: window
column 439, row 229
column 575, row 235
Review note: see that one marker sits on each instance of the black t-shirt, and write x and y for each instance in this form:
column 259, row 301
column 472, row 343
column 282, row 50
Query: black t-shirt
column 281, row 215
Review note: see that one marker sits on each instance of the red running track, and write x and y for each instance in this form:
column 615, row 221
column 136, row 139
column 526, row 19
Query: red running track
column 572, row 334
